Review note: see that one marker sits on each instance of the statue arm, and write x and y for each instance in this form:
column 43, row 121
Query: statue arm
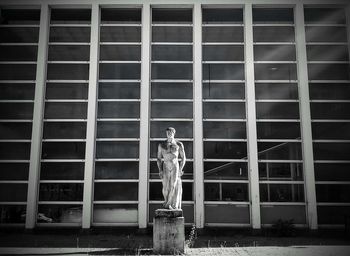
column 183, row 157
column 159, row 161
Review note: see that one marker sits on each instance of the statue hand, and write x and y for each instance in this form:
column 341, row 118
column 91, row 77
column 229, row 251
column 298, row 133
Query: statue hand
column 161, row 175
column 181, row 173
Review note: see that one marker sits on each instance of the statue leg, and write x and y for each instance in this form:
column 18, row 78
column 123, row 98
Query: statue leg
column 172, row 187
column 178, row 194
column 165, row 183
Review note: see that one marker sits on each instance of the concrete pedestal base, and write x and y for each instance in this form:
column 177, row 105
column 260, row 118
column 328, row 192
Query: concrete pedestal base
column 168, row 232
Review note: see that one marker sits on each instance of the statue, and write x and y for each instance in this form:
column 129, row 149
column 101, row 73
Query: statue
column 170, row 171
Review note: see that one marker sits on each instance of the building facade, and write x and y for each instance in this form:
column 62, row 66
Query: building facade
column 258, row 92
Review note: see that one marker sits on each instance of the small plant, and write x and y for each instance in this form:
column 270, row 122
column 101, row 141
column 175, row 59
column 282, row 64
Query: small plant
column 193, row 236
column 284, row 227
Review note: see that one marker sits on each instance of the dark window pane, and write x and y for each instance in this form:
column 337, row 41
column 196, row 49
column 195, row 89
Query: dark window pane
column 275, row 71
column 61, row 192
column 118, row 129
column 16, row 110
column 328, row 71
column 331, row 91
column 171, row 34
column 20, row 16
column 12, row 213
column 66, row 91
column 118, row 149
column 14, row 151
column 59, row 213
column 15, row 130
column 172, row 91
column 183, row 129
column 224, row 130
column 171, row 110
column 66, row 110
column 119, row 91
column 281, row 193
column 332, row 171
column 278, row 130
column 120, row 52
column 62, row 171
column 223, row 110
column 188, row 147
column 330, row 110
column 324, row 15
column 13, row 192
column 69, row 53
column 70, row 34
column 225, row 171
column 19, row 35
column 70, row 16
column 120, row 15
column 222, row 34
column 273, row 15
column 327, row 53
column 14, row 171
column 322, row 34
column 273, row 34
column 64, row 130
column 279, row 150
column 331, row 151
column 120, row 71
column 18, row 53
column 172, row 71
column 155, row 191
column 68, row 71
column 280, row 171
column 216, row 213
column 271, row 214
column 120, row 34
column 332, row 214
column 274, row 53
column 188, row 170
column 17, row 71
column 277, row 110
column 330, row 131
column 333, row 193
column 115, row 191
column 118, row 110
column 222, row 15
column 17, row 91
column 223, row 91
column 276, row 91
column 116, row 170
column 172, row 52
column 172, row 15
column 222, row 150
column 225, row 192
column 63, row 150
column 111, row 213
column 223, row 53
column 223, row 72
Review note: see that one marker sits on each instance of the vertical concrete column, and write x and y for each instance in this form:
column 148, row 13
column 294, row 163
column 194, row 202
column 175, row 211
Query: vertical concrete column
column 91, row 118
column 38, row 112
column 144, row 117
column 251, row 119
column 305, row 117
column 198, row 119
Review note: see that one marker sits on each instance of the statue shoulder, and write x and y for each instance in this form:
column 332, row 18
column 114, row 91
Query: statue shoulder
column 180, row 144
column 162, row 145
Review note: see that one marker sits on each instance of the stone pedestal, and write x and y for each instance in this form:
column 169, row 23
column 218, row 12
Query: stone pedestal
column 168, row 232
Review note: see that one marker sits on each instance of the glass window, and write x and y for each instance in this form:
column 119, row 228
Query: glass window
column 70, row 16
column 62, row 171
column 279, row 150
column 222, row 34
column 16, row 110
column 274, row 53
column 333, row 193
column 330, row 110
column 225, row 171
column 327, row 52
column 171, row 110
column 273, row 15
column 224, row 130
column 216, row 213
column 67, row 71
column 118, row 110
column 120, row 15
column 13, row 192
column 66, row 91
column 223, row 91
column 331, row 151
column 277, row 110
column 64, row 130
column 278, row 130
column 330, row 131
column 155, row 191
column 63, row 150
column 17, row 71
column 120, row 34
column 280, row 171
column 69, row 53
column 281, row 192
column 120, row 71
column 17, row 91
column 116, row 170
column 117, row 149
column 329, row 91
column 120, row 52
column 120, row 213
column 59, row 213
column 61, row 192
column 183, row 129
column 119, row 91
column 18, row 53
column 14, row 150
column 171, row 34
column 172, row 71
column 12, row 213
column 273, row 34
column 172, row 52
column 332, row 214
column 66, row 110
column 276, row 91
column 223, row 53
column 171, row 91
column 19, row 35
column 171, row 15
column 328, row 71
column 14, row 171
column 321, row 34
column 224, row 110
column 324, row 15
column 188, row 146
column 15, row 130
column 332, row 171
column 222, row 15
column 20, row 16
column 275, row 71
column 225, row 150
column 115, row 191
column 270, row 214
column 118, row 129
column 225, row 192
column 70, row 34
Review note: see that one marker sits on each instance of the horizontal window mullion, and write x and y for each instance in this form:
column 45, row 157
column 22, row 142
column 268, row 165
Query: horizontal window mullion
column 228, row 203
column 19, row 26
column 119, row 80
column 281, row 203
column 13, row 182
column 120, row 43
column 171, row 100
column 222, row 43
column 67, row 62
column 330, row 101
column 118, row 100
column 223, row 62
column 115, row 202
column 278, row 120
column 225, row 181
column 279, row 161
column 273, row 43
column 64, row 120
column 281, row 182
column 273, row 25
column 331, row 141
column 62, row 181
column 120, row 61
column 116, row 180
column 187, row 159
column 16, row 120
column 17, row 81
column 332, row 161
column 121, row 25
column 63, row 140
column 223, row 81
column 223, row 120
column 330, row 120
column 19, row 44
column 172, row 25
column 171, row 119
column 61, row 202
column 171, row 62
column 326, row 43
column 332, row 182
column 69, row 43
column 13, row 203
column 65, row 100
column 70, row 25
column 224, row 100
column 171, row 81
column 223, row 140
column 280, row 140
column 223, row 25
column 115, row 159
column 117, row 139
column 15, row 161
column 67, row 81
column 16, row 101
column 160, row 202
column 324, row 25
column 62, row 160
column 275, row 100
column 14, row 140
column 171, row 43
column 116, row 119
column 332, row 204
column 180, row 139
column 276, row 81
column 328, row 62
column 17, row 62
column 224, row 160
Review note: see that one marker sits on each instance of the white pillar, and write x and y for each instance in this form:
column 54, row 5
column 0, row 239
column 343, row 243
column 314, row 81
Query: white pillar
column 144, row 117
column 251, row 119
column 305, row 118
column 38, row 112
column 198, row 119
column 91, row 118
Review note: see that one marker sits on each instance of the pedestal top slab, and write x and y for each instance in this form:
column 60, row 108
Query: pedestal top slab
column 168, row 213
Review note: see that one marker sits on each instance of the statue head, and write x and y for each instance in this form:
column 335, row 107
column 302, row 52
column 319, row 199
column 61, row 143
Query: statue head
column 170, row 132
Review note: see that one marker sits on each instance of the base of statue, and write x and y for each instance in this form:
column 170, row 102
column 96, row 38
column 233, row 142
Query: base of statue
column 168, row 232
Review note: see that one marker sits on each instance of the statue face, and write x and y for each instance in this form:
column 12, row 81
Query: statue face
column 170, row 134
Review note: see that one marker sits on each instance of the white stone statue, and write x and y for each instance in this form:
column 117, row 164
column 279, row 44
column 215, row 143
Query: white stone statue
column 171, row 169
